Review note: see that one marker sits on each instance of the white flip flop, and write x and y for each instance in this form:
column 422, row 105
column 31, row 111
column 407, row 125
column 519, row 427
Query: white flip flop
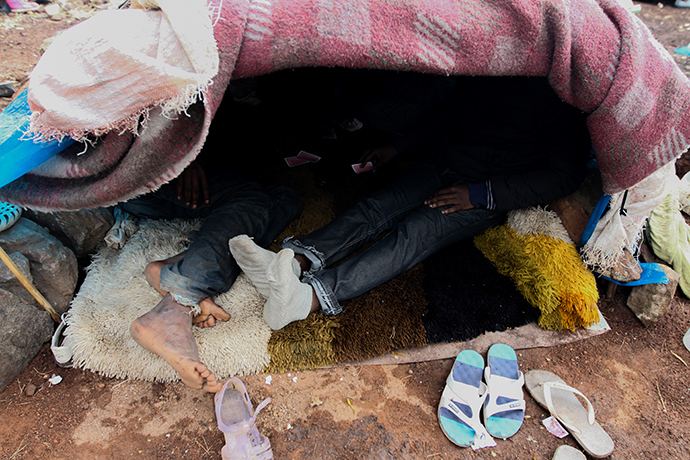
column 568, row 453
column 560, row 399
column 61, row 345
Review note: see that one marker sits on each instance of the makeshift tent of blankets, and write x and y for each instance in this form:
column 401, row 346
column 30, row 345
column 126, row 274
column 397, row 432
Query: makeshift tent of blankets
column 151, row 99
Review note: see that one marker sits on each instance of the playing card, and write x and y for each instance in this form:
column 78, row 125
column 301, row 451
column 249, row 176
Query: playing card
column 295, row 161
column 308, row 156
column 359, row 168
column 555, row 428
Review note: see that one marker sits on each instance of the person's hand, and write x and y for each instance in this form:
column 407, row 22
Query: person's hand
column 378, row 156
column 457, row 197
column 192, row 185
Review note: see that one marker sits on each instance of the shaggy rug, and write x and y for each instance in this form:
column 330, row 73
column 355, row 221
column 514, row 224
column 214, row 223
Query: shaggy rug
column 115, row 293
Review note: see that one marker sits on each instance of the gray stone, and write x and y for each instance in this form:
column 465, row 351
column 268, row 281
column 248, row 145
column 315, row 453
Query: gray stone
column 23, row 331
column 53, row 266
column 81, row 231
column 650, row 302
column 9, row 282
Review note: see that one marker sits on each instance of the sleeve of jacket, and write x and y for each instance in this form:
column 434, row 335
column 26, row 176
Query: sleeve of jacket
column 559, row 174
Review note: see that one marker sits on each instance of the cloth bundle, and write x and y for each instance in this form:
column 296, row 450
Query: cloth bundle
column 669, row 233
column 622, row 225
column 141, row 58
column 535, row 251
column 597, row 56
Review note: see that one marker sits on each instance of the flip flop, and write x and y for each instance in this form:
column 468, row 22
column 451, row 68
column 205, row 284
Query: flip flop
column 61, row 344
column 235, row 418
column 568, row 453
column 552, row 393
column 504, row 409
column 461, row 402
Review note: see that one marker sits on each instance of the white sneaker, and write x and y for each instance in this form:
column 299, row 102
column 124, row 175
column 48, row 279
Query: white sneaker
column 61, row 345
column 682, row 4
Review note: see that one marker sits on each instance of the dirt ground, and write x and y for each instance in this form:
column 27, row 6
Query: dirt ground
column 637, row 378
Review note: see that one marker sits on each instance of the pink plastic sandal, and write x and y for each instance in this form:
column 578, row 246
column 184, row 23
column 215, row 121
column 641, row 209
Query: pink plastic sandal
column 235, row 418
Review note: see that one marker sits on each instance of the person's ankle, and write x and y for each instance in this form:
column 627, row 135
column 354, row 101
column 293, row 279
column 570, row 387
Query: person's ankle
column 304, row 263
column 315, row 304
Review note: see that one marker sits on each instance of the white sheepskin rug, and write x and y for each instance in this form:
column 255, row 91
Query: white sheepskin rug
column 115, row 293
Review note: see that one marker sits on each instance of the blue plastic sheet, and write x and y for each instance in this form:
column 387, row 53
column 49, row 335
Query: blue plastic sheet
column 651, row 274
column 685, row 50
column 19, row 155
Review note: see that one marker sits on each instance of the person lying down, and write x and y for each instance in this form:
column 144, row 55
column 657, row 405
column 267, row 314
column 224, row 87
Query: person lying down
column 497, row 144
column 230, row 205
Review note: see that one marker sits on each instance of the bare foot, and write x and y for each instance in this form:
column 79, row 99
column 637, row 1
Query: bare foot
column 210, row 311
column 210, row 314
column 167, row 331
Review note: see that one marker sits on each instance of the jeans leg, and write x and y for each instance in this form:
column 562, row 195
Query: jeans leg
column 419, row 235
column 286, row 206
column 237, row 207
column 370, row 217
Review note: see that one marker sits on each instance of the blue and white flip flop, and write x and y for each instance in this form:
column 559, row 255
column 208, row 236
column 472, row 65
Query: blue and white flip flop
column 504, row 409
column 461, row 403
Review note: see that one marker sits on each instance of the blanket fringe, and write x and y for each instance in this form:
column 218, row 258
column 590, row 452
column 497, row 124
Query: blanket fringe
column 39, row 131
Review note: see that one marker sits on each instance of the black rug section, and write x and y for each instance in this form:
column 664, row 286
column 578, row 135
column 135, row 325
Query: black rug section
column 468, row 297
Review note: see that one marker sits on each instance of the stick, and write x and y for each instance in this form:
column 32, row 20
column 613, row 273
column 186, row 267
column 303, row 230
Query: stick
column 659, row 393
column 29, row 287
column 681, row 359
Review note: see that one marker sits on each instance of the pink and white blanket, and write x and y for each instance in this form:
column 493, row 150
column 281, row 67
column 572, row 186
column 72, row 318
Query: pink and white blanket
column 597, row 56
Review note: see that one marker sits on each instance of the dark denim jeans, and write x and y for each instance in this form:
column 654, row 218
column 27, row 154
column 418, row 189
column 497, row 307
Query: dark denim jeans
column 411, row 231
column 237, row 207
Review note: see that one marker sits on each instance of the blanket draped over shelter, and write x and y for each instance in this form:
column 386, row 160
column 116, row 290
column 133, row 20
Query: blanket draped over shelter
column 597, row 56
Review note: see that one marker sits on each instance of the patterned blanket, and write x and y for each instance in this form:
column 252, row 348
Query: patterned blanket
column 597, row 56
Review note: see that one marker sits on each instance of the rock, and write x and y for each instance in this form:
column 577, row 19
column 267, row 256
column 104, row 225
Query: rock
column 650, row 302
column 9, row 282
column 6, row 89
column 23, row 331
column 30, row 389
column 81, row 231
column 53, row 266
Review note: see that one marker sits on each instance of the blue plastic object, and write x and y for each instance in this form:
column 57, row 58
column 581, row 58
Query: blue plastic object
column 594, row 218
column 19, row 156
column 651, row 273
column 685, row 50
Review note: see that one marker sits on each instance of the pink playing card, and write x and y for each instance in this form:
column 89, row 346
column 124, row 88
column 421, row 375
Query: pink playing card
column 295, row 161
column 555, row 428
column 308, row 156
column 359, row 168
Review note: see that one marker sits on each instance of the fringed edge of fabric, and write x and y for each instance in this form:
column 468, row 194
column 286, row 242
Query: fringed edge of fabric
column 39, row 131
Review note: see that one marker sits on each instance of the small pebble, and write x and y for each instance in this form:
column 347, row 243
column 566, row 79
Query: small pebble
column 30, row 389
